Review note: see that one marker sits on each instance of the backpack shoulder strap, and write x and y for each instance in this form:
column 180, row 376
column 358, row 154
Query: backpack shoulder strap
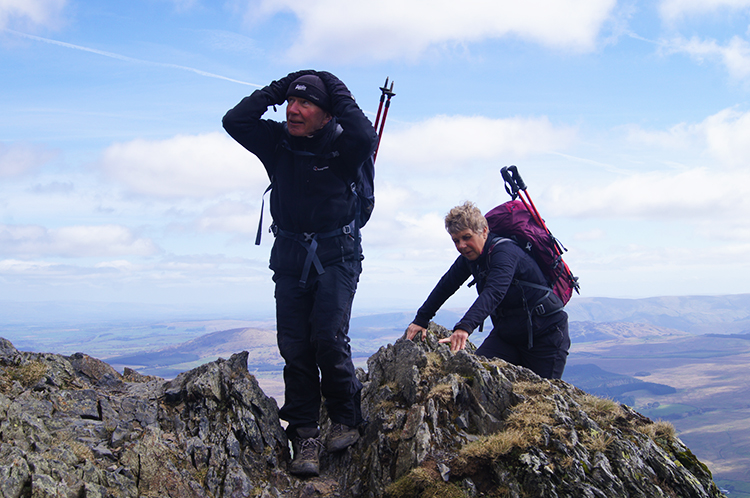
column 285, row 144
column 483, row 274
column 262, row 206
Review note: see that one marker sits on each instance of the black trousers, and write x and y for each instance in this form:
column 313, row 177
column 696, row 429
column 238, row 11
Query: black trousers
column 312, row 324
column 547, row 358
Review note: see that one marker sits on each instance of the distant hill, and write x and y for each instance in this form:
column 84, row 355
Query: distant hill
column 604, row 318
column 370, row 332
column 170, row 361
column 594, row 332
column 595, row 380
column 693, row 314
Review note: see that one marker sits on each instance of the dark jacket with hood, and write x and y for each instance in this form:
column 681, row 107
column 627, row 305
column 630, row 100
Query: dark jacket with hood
column 496, row 273
column 311, row 176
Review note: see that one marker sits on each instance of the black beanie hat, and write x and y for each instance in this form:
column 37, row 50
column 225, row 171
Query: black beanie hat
column 312, row 88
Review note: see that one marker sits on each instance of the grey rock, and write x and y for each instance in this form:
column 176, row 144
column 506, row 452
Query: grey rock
column 14, row 471
column 437, row 423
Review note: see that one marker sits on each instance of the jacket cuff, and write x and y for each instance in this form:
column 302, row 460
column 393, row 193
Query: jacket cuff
column 464, row 326
column 421, row 321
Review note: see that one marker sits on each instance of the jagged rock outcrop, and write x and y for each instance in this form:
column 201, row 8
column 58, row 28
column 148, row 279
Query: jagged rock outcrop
column 439, row 424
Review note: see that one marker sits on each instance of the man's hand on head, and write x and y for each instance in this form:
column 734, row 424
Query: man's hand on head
column 277, row 89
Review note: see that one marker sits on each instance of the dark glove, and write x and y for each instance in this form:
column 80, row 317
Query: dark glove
column 337, row 90
column 277, row 89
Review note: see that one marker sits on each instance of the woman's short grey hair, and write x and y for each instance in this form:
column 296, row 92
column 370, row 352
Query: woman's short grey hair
column 465, row 216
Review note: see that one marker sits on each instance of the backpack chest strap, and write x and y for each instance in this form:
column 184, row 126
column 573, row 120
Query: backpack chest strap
column 310, row 242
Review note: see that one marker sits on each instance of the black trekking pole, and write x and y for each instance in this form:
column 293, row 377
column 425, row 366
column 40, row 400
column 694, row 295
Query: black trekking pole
column 516, row 187
column 385, row 92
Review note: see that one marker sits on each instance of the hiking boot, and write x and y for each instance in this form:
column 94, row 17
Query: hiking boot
column 341, row 437
column 306, row 446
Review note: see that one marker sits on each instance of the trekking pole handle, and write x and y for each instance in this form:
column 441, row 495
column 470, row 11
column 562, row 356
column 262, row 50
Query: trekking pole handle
column 516, row 177
column 513, row 181
column 384, row 88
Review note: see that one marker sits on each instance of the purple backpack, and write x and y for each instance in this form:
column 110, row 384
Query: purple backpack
column 513, row 220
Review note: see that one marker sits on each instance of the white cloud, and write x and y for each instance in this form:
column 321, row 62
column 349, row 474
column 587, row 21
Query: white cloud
column 184, row 166
column 710, row 186
column 676, row 137
column 595, row 234
column 170, row 279
column 20, row 159
column 233, row 217
column 727, row 134
column 735, row 55
column 346, row 30
column 638, row 271
column 73, row 241
column 732, row 229
column 724, row 136
column 30, row 13
column 442, row 143
column 693, row 194
column 674, row 9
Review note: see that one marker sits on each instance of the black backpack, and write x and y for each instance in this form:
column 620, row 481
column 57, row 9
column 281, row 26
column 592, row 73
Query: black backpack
column 364, row 188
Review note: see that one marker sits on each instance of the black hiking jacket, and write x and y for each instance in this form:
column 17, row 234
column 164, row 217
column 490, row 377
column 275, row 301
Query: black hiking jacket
column 507, row 303
column 311, row 176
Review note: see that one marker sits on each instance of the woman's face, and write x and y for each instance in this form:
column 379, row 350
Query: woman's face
column 469, row 243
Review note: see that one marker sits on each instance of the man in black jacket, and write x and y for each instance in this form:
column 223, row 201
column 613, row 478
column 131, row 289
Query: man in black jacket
column 313, row 160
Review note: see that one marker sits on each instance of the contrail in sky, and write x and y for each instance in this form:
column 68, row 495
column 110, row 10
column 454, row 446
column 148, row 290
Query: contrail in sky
column 130, row 59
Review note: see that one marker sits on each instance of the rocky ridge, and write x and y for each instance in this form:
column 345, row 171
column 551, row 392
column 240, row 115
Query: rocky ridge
column 438, row 424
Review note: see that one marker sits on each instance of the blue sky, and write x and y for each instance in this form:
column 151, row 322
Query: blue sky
column 629, row 121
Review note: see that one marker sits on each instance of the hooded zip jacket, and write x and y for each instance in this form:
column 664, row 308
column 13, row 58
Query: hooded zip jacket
column 311, row 176
column 507, row 303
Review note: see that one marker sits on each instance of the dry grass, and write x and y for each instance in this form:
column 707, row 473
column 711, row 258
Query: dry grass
column 596, row 441
column 498, row 362
column 433, row 366
column 533, row 389
column 659, row 430
column 603, row 411
column 441, row 393
column 501, row 492
column 531, row 414
column 496, row 445
column 535, row 410
column 82, row 451
column 522, row 425
column 27, row 374
column 424, row 484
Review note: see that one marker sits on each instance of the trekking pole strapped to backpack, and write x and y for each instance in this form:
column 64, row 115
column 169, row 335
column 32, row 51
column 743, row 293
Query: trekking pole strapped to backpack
column 520, row 220
column 516, row 187
column 385, row 91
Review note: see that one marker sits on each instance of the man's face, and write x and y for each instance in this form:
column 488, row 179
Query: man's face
column 304, row 118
